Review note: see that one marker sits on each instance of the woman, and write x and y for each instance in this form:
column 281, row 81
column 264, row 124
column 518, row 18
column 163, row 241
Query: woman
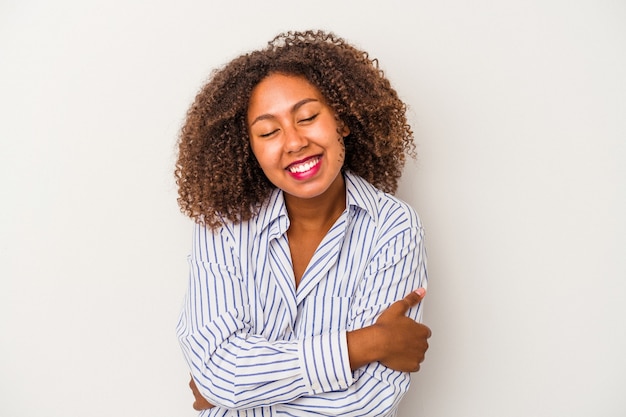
column 299, row 253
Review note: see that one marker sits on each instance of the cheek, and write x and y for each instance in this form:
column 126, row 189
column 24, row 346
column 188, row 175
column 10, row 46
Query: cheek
column 266, row 154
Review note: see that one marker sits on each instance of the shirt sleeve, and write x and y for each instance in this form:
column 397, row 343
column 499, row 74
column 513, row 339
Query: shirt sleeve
column 233, row 367
column 398, row 267
column 237, row 369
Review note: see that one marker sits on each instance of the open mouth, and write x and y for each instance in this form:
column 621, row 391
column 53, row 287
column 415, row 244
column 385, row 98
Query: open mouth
column 302, row 167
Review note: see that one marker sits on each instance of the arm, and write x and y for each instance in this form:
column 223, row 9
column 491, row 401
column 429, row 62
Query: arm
column 392, row 333
column 378, row 385
column 217, row 337
column 395, row 340
column 232, row 366
column 235, row 351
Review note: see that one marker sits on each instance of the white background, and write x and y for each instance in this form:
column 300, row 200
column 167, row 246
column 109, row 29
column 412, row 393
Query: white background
column 519, row 110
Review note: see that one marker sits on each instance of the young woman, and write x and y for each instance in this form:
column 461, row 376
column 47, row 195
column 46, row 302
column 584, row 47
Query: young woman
column 301, row 258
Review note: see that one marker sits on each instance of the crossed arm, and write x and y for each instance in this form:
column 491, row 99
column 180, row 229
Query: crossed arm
column 381, row 342
column 395, row 340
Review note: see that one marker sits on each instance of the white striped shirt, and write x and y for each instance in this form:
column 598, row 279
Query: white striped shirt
column 257, row 346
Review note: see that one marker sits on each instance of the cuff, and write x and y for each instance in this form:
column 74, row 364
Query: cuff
column 325, row 362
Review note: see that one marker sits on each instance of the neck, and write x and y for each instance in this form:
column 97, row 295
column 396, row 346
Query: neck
column 318, row 211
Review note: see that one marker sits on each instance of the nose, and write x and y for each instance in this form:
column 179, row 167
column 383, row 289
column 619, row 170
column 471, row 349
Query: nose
column 294, row 140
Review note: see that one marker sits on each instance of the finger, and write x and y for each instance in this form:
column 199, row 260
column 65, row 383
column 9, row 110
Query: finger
column 401, row 307
column 428, row 332
column 200, row 405
column 415, row 297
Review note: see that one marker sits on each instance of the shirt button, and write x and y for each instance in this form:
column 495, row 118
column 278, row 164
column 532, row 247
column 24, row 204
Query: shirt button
column 315, row 386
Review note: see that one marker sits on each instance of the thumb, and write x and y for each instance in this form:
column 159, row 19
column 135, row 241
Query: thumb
column 401, row 307
column 413, row 298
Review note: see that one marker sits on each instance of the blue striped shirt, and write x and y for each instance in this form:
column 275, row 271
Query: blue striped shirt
column 257, row 346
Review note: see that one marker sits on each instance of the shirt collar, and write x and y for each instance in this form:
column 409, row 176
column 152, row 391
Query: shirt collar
column 360, row 194
column 274, row 212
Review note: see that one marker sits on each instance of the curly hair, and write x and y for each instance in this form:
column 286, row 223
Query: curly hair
column 217, row 174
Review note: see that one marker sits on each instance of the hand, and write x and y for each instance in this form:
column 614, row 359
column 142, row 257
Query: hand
column 404, row 341
column 200, row 402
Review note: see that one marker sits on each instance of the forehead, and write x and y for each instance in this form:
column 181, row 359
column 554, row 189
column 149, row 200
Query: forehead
column 278, row 92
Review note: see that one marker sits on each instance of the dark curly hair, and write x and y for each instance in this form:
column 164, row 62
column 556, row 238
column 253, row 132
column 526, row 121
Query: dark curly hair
column 216, row 172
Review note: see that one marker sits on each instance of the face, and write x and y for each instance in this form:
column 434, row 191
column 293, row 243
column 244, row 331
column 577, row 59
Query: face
column 294, row 136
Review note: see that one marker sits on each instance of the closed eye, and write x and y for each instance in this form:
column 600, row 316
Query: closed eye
column 268, row 134
column 308, row 119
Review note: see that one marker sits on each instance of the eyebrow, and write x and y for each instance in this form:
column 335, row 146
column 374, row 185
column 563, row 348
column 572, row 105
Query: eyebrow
column 294, row 108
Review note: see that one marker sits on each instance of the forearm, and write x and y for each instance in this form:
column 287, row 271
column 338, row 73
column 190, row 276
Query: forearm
column 371, row 394
column 248, row 372
column 245, row 373
column 394, row 340
column 363, row 346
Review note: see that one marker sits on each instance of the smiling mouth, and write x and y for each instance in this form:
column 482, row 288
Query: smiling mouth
column 305, row 166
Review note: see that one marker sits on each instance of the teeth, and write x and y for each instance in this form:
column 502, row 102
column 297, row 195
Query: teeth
column 300, row 168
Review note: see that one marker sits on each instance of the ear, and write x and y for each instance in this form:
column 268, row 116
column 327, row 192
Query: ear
column 345, row 130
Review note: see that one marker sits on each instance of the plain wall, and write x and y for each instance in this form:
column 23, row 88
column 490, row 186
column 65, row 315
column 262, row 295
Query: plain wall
column 518, row 109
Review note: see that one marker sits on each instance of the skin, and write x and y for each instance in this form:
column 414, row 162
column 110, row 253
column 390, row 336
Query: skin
column 298, row 143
